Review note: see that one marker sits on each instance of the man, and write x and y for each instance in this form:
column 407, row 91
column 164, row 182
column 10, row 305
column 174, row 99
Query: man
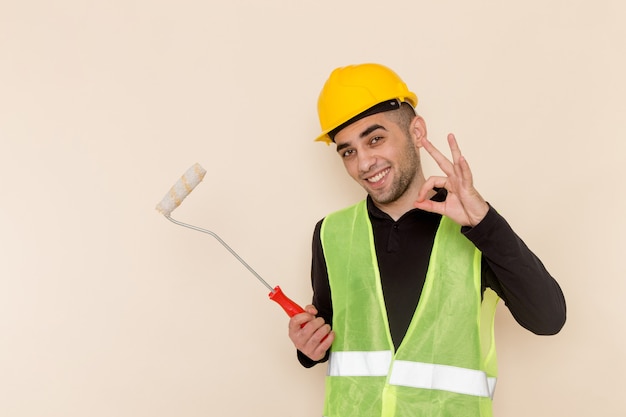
column 409, row 278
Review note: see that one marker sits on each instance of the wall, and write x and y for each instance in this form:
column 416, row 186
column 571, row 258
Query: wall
column 107, row 309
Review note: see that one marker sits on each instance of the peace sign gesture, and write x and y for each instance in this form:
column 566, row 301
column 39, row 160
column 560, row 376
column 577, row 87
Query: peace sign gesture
column 463, row 204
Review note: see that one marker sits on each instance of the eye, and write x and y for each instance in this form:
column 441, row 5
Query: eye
column 348, row 153
column 375, row 139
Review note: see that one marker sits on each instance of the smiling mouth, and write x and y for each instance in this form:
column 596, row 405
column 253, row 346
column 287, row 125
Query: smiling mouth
column 378, row 176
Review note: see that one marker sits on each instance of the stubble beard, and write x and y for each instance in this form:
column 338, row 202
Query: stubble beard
column 407, row 174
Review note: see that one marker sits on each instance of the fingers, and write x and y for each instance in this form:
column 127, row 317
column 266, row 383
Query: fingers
column 458, row 169
column 426, row 204
column 461, row 166
column 446, row 166
column 311, row 335
column 430, row 184
column 454, row 148
column 299, row 321
column 458, row 166
column 465, row 173
column 463, row 203
column 319, row 343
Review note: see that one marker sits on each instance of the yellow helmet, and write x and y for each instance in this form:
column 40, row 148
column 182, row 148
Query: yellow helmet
column 351, row 90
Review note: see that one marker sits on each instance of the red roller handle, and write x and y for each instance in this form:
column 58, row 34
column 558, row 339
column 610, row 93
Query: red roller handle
column 290, row 307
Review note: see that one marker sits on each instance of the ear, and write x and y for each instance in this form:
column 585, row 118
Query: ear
column 418, row 130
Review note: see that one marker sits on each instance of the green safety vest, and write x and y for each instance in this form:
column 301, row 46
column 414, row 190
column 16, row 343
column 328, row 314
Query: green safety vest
column 446, row 364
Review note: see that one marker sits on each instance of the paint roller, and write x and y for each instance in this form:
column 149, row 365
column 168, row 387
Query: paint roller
column 179, row 191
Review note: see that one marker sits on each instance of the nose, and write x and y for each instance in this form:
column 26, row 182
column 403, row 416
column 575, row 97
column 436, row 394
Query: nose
column 367, row 160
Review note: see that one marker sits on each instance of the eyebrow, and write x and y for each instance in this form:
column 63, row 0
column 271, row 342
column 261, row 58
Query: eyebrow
column 363, row 134
column 371, row 129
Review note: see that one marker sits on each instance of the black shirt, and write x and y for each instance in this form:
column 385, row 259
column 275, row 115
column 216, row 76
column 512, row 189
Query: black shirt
column 403, row 250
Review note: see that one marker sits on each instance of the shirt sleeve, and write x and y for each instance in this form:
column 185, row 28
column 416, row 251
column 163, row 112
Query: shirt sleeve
column 517, row 275
column 321, row 291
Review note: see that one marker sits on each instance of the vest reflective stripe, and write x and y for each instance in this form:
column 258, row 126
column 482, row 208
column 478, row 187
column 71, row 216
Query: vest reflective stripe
column 442, row 377
column 412, row 374
column 375, row 363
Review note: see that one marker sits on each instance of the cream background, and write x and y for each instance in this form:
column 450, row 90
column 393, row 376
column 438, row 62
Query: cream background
column 107, row 309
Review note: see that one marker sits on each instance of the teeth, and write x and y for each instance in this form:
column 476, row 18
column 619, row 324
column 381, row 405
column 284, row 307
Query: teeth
column 378, row 177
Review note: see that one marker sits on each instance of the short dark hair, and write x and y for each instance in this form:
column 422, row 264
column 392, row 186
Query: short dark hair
column 404, row 116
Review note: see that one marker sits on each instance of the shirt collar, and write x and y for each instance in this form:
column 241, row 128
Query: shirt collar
column 440, row 195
